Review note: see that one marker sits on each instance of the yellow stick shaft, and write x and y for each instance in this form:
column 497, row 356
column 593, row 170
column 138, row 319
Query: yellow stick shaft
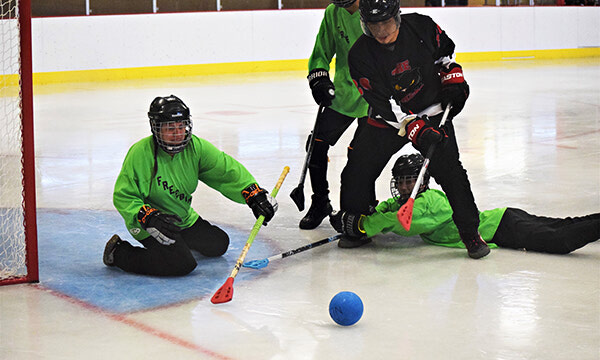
column 257, row 226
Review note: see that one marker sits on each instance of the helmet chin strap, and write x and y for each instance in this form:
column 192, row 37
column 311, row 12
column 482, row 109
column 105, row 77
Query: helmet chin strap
column 172, row 149
column 402, row 199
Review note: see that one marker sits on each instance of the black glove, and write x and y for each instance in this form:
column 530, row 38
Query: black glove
column 348, row 224
column 160, row 226
column 260, row 202
column 455, row 89
column 321, row 86
column 422, row 134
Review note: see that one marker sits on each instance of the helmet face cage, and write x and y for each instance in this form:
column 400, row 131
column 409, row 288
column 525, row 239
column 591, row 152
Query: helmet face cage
column 407, row 168
column 168, row 117
column 396, row 181
column 343, row 3
column 373, row 11
column 170, row 147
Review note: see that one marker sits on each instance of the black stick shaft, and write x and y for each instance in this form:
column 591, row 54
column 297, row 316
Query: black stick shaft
column 309, row 246
column 311, row 146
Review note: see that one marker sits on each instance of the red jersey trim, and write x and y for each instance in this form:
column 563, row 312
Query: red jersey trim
column 376, row 123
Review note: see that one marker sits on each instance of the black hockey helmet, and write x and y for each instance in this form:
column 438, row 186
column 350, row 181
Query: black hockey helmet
column 172, row 113
column 407, row 167
column 373, row 11
column 343, row 3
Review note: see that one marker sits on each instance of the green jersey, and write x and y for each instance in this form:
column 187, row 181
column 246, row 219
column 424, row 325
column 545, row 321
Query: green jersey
column 338, row 32
column 431, row 220
column 170, row 189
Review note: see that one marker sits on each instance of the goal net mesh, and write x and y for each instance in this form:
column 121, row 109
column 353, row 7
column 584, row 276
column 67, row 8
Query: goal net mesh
column 13, row 263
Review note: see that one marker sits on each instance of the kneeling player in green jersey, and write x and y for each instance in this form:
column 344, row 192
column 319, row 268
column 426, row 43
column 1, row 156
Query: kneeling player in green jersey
column 432, row 219
column 153, row 194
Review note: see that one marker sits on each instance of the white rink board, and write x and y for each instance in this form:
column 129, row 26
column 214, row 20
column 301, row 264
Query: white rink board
column 126, row 41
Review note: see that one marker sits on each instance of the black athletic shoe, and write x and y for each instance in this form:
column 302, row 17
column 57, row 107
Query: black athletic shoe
column 109, row 250
column 319, row 210
column 475, row 245
column 347, row 242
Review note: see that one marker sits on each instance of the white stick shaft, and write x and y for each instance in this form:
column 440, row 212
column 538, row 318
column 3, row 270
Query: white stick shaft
column 419, row 181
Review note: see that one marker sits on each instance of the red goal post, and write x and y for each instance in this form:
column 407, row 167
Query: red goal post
column 18, row 229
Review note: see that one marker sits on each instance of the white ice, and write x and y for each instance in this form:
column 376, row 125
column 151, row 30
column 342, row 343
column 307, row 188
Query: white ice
column 529, row 138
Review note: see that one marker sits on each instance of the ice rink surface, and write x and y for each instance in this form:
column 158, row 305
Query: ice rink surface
column 529, row 138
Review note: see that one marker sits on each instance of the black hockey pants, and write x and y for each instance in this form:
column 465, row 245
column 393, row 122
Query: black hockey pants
column 175, row 259
column 331, row 125
column 521, row 230
column 373, row 149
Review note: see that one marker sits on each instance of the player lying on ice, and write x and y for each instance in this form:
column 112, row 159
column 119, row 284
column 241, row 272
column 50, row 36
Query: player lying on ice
column 432, row 219
column 153, row 194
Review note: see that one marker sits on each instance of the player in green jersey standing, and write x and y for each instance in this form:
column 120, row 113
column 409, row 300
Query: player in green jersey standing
column 153, row 194
column 339, row 29
column 432, row 219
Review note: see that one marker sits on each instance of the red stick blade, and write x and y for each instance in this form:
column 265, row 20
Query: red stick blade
column 224, row 294
column 405, row 214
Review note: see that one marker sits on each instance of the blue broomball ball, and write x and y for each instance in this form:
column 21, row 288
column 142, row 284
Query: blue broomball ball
column 346, row 308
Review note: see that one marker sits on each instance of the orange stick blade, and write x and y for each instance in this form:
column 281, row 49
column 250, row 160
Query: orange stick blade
column 224, row 294
column 405, row 214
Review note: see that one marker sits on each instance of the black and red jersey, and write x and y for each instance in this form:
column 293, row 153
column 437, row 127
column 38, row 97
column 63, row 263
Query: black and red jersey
column 407, row 72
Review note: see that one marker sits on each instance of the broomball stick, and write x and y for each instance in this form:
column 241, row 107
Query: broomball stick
column 406, row 211
column 225, row 292
column 259, row 264
column 297, row 194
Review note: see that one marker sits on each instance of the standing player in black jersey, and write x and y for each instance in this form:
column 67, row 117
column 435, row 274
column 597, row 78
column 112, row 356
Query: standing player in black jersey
column 403, row 67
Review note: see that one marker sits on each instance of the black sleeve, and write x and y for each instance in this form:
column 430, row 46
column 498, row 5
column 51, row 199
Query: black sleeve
column 432, row 35
column 370, row 83
column 443, row 45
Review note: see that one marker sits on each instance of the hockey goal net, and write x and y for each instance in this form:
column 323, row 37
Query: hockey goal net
column 18, row 234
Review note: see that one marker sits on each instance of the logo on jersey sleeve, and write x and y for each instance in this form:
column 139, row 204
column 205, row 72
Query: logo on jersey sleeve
column 362, row 85
column 343, row 34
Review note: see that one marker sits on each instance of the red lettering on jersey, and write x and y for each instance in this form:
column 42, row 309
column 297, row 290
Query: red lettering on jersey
column 401, row 67
column 409, row 97
column 437, row 35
